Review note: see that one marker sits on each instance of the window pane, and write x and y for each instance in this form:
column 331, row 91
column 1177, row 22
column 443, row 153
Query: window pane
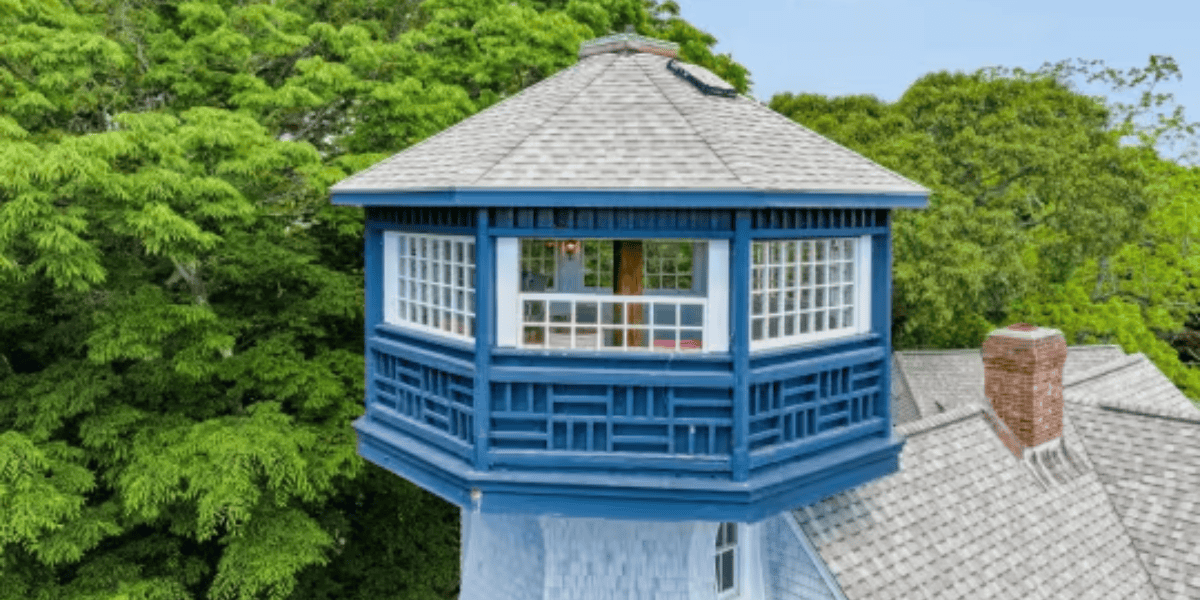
column 691, row 339
column 585, row 312
column 611, row 313
column 535, row 311
column 637, row 313
column 664, row 339
column 691, row 315
column 560, row 337
column 727, row 570
column 848, row 317
column 731, row 533
column 664, row 314
column 585, row 337
column 560, row 312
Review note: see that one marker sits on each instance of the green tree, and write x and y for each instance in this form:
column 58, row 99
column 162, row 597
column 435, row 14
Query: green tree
column 180, row 306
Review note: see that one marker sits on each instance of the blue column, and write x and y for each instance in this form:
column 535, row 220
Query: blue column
column 485, row 333
column 881, row 318
column 373, row 311
column 739, row 323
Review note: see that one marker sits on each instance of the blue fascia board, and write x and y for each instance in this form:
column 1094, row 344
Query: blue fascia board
column 630, row 496
column 562, row 198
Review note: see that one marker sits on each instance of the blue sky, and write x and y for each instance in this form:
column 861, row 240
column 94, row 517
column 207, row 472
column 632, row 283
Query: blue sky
column 879, row 47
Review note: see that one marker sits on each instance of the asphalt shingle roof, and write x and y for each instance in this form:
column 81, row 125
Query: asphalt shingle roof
column 939, row 380
column 1144, row 440
column 964, row 518
column 624, row 121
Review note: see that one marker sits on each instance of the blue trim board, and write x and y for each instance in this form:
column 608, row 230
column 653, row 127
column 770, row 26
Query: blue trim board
column 667, row 497
column 591, row 198
column 881, row 320
column 485, row 334
column 739, row 289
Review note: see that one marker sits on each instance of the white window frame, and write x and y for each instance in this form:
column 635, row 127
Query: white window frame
column 736, row 564
column 401, row 286
column 861, row 295
column 510, row 301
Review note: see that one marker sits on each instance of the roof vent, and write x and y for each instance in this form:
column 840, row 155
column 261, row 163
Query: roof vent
column 630, row 42
column 704, row 81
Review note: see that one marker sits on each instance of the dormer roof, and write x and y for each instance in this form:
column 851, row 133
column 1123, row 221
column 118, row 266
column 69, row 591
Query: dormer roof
column 628, row 118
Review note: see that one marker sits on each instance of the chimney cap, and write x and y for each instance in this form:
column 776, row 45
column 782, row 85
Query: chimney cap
column 1025, row 331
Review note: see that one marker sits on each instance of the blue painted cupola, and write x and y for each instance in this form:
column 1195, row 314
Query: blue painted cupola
column 629, row 292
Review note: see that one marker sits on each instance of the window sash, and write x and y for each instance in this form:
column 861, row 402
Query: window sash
column 793, row 283
column 725, row 560
column 429, row 283
column 710, row 261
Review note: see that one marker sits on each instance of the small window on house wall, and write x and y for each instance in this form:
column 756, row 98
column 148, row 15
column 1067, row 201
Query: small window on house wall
column 726, row 561
column 429, row 283
column 613, row 295
column 808, row 290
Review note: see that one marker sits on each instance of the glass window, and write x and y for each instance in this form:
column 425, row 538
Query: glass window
column 726, row 560
column 807, row 290
column 430, row 283
column 570, row 296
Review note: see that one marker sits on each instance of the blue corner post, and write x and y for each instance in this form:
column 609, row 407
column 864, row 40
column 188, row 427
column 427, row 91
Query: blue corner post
column 739, row 322
column 373, row 271
column 485, row 310
column 882, row 259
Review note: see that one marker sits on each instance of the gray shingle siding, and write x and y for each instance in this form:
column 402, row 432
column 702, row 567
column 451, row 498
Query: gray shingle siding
column 502, row 557
column 598, row 559
column 790, row 573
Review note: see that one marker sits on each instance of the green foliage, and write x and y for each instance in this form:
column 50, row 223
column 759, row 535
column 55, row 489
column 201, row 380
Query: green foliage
column 180, row 306
column 1034, row 199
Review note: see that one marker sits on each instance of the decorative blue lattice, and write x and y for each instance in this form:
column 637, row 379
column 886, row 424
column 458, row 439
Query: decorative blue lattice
column 611, row 418
column 424, row 395
column 804, row 406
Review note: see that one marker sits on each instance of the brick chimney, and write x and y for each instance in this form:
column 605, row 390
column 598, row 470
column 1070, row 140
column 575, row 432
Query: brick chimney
column 1023, row 379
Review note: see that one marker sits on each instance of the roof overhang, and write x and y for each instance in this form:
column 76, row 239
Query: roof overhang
column 633, row 198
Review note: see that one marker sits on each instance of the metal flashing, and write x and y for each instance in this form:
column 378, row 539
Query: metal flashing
column 702, row 79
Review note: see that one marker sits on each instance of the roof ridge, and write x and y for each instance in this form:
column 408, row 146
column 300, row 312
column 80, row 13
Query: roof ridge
column 1103, row 369
column 688, row 120
column 549, row 115
column 1174, row 413
column 926, row 424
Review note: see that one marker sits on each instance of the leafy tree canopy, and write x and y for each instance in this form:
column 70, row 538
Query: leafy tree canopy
column 180, row 306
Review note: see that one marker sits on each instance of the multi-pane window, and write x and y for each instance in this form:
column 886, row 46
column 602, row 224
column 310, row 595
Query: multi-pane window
column 668, row 265
column 726, row 560
column 567, row 296
column 430, row 283
column 807, row 290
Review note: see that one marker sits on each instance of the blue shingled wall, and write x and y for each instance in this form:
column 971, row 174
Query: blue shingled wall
column 503, row 557
column 790, row 572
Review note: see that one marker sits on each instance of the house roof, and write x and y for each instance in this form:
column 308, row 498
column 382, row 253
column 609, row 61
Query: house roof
column 624, row 121
column 933, row 381
column 964, row 518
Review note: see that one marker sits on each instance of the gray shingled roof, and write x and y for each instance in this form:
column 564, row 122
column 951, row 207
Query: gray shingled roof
column 965, row 519
column 939, row 380
column 623, row 121
column 1144, row 440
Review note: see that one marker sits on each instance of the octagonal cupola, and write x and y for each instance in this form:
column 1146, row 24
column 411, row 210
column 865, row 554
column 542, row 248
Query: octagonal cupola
column 629, row 291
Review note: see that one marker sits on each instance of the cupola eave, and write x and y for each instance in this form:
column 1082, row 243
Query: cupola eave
column 633, row 198
column 625, row 125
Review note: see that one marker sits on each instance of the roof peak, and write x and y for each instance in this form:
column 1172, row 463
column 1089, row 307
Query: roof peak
column 628, row 42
